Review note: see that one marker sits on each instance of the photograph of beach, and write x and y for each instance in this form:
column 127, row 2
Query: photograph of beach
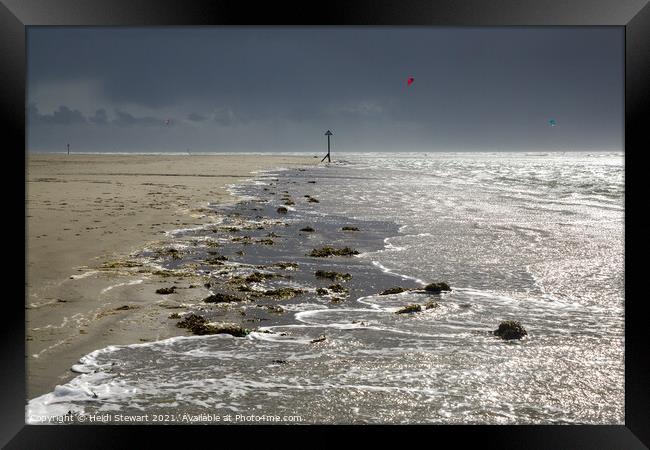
column 324, row 225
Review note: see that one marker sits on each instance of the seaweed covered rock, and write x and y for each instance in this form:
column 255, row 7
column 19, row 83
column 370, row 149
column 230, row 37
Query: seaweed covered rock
column 338, row 289
column 510, row 329
column 322, row 291
column 334, row 276
column 221, row 298
column 257, row 277
column 408, row 309
column 166, row 290
column 436, row 288
column 282, row 210
column 201, row 326
column 394, row 290
column 266, row 241
column 431, row 305
column 331, row 251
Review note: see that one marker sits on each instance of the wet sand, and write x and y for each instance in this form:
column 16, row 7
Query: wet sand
column 85, row 215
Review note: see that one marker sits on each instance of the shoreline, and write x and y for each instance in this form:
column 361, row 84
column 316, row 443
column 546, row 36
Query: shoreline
column 86, row 211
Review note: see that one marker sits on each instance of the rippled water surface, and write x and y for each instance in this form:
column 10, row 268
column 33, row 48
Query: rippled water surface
column 536, row 238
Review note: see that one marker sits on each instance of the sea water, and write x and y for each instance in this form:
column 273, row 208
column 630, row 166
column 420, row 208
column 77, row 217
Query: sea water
column 532, row 237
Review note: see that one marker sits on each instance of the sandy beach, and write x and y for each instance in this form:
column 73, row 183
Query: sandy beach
column 85, row 215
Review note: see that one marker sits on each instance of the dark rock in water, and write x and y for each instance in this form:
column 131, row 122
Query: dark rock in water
column 174, row 316
column 279, row 361
column 282, row 210
column 331, row 251
column 221, row 298
column 332, row 275
column 436, row 288
column 318, row 339
column 283, row 292
column 431, row 305
column 289, row 202
column 395, row 290
column 166, row 290
column 312, row 182
column 349, row 229
column 307, row 229
column 266, row 241
column 200, row 326
column 510, row 329
column 322, row 291
column 313, row 200
column 408, row 309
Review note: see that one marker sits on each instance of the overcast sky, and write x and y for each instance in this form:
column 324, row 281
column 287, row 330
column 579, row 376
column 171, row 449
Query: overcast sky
column 226, row 89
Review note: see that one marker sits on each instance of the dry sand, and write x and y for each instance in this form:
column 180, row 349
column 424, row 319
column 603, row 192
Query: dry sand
column 85, row 212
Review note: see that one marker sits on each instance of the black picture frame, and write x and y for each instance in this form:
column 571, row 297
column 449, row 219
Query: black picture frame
column 633, row 15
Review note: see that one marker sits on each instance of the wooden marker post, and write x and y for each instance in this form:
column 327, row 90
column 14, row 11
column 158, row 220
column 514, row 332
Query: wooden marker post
column 328, row 133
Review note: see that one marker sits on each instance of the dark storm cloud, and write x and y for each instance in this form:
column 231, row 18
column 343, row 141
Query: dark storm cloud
column 474, row 88
column 125, row 119
column 100, row 117
column 62, row 116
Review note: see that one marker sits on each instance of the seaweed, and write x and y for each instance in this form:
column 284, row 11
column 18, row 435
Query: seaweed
column 331, row 251
column 257, row 277
column 283, row 292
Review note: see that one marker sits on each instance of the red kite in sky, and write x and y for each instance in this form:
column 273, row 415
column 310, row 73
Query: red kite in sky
column 410, row 81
